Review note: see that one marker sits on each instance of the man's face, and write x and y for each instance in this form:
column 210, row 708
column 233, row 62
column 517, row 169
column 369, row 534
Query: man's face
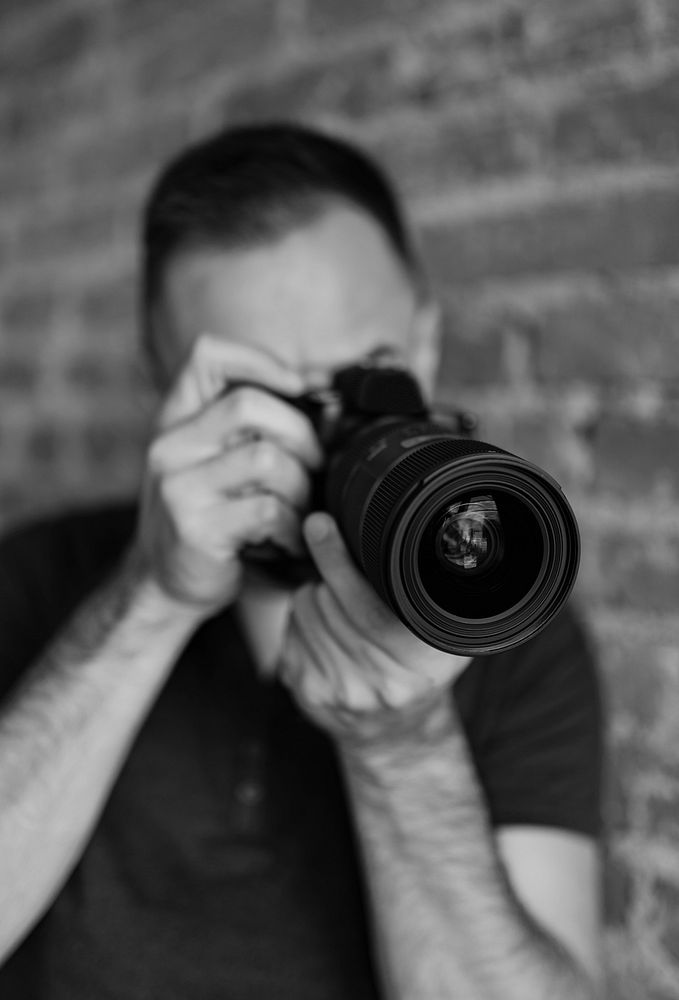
column 325, row 295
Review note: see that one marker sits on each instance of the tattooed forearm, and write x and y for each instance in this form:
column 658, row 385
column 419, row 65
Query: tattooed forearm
column 65, row 730
column 447, row 921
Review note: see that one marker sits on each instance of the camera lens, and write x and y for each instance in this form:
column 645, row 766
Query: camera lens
column 500, row 578
column 468, row 536
column 475, row 549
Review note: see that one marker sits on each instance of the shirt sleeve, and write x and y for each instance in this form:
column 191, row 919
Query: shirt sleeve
column 539, row 753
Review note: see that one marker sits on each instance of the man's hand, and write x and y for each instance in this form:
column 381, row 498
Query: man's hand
column 225, row 470
column 353, row 666
column 449, row 918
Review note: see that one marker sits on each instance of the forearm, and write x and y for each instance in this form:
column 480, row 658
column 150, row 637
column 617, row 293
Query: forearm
column 447, row 923
column 65, row 731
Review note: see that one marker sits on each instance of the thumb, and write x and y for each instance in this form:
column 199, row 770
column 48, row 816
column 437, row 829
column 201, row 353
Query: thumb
column 337, row 568
column 332, row 558
column 327, row 547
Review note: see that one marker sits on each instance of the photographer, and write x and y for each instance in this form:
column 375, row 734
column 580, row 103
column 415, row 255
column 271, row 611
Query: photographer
column 218, row 781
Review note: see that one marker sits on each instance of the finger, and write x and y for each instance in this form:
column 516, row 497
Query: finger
column 359, row 682
column 353, row 592
column 252, row 467
column 305, row 662
column 379, row 672
column 243, row 413
column 214, row 362
column 224, row 526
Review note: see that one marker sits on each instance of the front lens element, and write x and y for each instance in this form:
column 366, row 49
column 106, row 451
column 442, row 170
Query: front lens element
column 469, row 536
column 497, row 554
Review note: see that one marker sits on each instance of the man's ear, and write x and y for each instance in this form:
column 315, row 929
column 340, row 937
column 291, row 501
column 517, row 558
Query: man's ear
column 425, row 347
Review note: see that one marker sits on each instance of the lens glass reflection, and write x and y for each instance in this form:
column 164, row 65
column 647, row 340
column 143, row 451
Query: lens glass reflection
column 469, row 537
column 480, row 554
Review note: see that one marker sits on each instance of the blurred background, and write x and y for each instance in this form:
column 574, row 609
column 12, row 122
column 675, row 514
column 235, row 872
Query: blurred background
column 537, row 145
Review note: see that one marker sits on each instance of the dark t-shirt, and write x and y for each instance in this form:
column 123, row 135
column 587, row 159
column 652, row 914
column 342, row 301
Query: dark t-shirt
column 224, row 865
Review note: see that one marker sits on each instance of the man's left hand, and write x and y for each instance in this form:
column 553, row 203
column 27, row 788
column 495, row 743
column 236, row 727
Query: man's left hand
column 352, row 665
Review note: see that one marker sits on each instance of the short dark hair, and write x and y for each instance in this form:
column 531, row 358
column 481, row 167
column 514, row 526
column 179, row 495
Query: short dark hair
column 253, row 183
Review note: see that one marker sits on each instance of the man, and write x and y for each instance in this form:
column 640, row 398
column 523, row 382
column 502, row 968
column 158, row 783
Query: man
column 215, row 785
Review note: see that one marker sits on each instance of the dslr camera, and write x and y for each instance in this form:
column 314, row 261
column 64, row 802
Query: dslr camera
column 474, row 548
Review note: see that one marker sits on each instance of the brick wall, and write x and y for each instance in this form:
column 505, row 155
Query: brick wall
column 537, row 143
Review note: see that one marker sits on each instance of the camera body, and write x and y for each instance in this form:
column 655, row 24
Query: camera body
column 475, row 549
column 364, row 397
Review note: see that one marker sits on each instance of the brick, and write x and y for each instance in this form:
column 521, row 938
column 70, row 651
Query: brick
column 110, row 307
column 609, row 332
column 485, row 41
column 666, row 895
column 550, row 443
column 581, row 31
column 88, row 374
column 470, row 54
column 600, row 123
column 21, row 181
column 661, row 22
column 409, row 9
column 623, row 122
column 616, row 797
column 353, row 84
column 472, row 348
column 652, row 992
column 640, row 569
column 325, row 17
column 432, row 153
column 43, row 445
column 578, row 230
column 641, row 699
column 56, row 43
column 84, row 230
column 539, row 439
column 211, row 34
column 107, row 378
column 634, row 689
column 618, row 891
column 43, row 110
column 15, row 12
column 664, row 818
column 17, row 375
column 635, row 459
column 25, row 311
column 137, row 19
column 106, row 444
column 127, row 150
column 604, row 331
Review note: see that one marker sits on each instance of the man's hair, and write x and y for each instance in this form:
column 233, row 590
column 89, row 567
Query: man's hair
column 255, row 183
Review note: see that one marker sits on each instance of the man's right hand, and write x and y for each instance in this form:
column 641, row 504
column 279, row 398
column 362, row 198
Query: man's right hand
column 224, row 470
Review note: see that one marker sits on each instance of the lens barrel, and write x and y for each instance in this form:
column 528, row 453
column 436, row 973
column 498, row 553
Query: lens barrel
column 475, row 549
